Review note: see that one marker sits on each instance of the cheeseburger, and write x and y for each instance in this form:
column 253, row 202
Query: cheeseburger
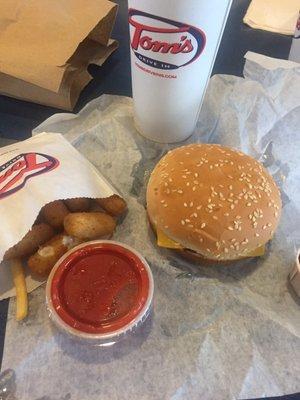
column 212, row 202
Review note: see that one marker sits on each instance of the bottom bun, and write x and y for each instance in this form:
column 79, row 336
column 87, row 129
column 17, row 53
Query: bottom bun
column 197, row 258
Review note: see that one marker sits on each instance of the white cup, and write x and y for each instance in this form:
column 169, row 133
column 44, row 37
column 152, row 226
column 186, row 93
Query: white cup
column 173, row 48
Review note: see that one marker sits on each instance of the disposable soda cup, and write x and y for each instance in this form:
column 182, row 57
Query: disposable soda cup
column 173, row 47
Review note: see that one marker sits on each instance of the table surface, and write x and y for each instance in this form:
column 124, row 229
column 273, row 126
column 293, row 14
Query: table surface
column 18, row 118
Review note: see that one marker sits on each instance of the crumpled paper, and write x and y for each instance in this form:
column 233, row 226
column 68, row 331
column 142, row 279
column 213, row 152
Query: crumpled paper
column 229, row 332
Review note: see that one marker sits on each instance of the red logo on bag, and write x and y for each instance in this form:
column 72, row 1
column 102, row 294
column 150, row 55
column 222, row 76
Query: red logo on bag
column 15, row 172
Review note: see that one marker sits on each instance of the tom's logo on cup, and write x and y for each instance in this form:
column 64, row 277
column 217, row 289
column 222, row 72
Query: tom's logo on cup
column 162, row 43
column 16, row 172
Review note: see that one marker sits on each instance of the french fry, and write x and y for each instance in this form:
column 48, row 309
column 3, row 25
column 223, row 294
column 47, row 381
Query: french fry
column 114, row 205
column 89, row 225
column 78, row 204
column 21, row 290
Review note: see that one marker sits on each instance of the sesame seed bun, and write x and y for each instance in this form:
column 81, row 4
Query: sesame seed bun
column 213, row 200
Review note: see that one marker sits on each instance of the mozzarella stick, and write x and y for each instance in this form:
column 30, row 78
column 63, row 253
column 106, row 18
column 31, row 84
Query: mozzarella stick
column 38, row 235
column 88, row 226
column 54, row 213
column 114, row 205
column 47, row 255
column 78, row 204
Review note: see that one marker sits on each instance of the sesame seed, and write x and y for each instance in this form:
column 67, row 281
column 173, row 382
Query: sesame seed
column 170, row 180
column 194, row 188
column 215, row 217
column 203, row 225
column 230, row 187
column 188, row 184
column 165, row 205
column 209, row 200
column 182, row 222
column 168, row 191
column 269, row 224
column 191, row 204
column 249, row 204
column 226, row 250
column 190, row 226
column 166, row 226
column 226, row 214
column 185, row 205
column 230, row 228
column 179, row 191
column 162, row 201
column 166, row 183
column 257, row 234
column 196, row 175
column 232, row 206
column 264, row 227
column 199, row 207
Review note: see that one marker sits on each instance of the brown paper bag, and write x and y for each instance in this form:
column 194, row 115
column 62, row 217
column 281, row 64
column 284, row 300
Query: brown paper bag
column 46, row 46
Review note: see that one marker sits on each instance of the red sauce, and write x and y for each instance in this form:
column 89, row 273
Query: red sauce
column 100, row 288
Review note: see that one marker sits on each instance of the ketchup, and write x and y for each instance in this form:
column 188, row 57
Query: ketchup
column 99, row 288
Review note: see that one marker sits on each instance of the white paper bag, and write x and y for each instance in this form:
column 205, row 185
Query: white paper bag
column 33, row 173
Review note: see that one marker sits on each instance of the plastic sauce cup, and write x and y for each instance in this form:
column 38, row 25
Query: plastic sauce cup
column 100, row 291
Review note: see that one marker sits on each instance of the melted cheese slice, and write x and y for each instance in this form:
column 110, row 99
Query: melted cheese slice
column 165, row 241
column 260, row 251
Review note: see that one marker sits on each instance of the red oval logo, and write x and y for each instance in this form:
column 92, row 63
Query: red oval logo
column 15, row 172
column 156, row 40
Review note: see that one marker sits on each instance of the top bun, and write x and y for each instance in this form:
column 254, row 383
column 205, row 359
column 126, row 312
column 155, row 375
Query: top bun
column 214, row 200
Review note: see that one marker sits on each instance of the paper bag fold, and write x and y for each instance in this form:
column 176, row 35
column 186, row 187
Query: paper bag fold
column 44, row 47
